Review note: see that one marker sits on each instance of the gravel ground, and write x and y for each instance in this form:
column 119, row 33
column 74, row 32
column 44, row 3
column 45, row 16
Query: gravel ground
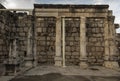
column 60, row 77
column 73, row 70
column 69, row 73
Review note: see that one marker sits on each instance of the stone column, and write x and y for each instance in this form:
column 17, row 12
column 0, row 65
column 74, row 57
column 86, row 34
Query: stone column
column 63, row 41
column 13, row 56
column 110, row 51
column 35, row 44
column 58, row 56
column 83, row 54
column 29, row 58
column 107, row 50
column 10, row 52
column 15, row 48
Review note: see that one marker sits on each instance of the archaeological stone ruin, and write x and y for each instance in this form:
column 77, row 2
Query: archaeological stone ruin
column 58, row 35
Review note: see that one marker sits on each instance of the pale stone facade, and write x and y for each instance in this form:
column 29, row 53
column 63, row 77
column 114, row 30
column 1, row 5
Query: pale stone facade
column 62, row 35
column 89, row 34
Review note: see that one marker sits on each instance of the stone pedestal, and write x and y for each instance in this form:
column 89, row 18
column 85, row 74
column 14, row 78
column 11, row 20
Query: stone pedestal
column 58, row 61
column 83, row 64
column 29, row 58
column 28, row 62
column 83, row 54
column 111, row 64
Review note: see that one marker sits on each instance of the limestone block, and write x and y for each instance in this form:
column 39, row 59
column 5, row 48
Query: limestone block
column 52, row 38
column 58, row 61
column 67, row 48
column 42, row 38
column 98, row 49
column 92, row 48
column 68, row 53
column 71, row 43
column 67, row 43
column 51, row 43
column 77, row 48
column 51, row 34
column 28, row 62
column 75, row 53
column 93, row 30
column 71, row 38
column 77, row 38
column 76, row 43
column 67, row 57
column 111, row 64
column 39, row 29
column 73, row 48
column 102, row 30
column 44, row 29
column 77, row 57
column 74, row 29
column 83, row 65
column 48, row 43
column 22, row 34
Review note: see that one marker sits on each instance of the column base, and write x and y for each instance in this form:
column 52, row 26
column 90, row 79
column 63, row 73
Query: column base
column 35, row 63
column 111, row 64
column 28, row 62
column 83, row 65
column 58, row 61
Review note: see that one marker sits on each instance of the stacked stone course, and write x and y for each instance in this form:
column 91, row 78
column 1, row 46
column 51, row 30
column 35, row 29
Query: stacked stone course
column 88, row 38
column 46, row 39
column 24, row 23
column 95, row 39
column 72, row 35
column 6, row 25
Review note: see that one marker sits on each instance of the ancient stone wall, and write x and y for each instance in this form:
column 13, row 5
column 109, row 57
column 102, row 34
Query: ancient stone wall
column 6, row 23
column 118, row 46
column 95, row 40
column 13, row 26
column 72, row 40
column 24, row 23
column 45, row 28
column 89, row 35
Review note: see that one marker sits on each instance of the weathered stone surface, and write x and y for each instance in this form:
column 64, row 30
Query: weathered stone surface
column 89, row 36
column 72, row 31
column 94, row 46
column 46, row 39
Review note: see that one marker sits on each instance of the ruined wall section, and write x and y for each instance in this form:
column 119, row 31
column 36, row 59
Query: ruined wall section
column 6, row 23
column 45, row 29
column 72, row 38
column 24, row 23
column 14, row 26
column 95, row 40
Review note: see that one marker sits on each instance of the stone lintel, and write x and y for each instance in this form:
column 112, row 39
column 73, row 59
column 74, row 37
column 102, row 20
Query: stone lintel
column 69, row 6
